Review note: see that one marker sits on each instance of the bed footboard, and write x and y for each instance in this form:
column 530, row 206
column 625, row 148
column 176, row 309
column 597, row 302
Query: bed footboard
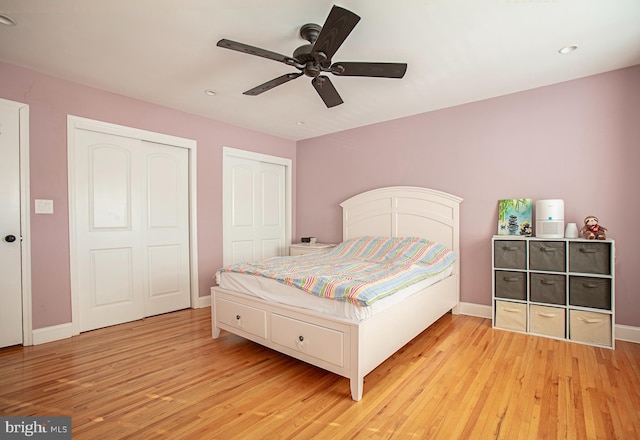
column 350, row 349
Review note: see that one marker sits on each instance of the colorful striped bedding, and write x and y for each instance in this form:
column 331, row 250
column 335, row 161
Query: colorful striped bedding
column 360, row 271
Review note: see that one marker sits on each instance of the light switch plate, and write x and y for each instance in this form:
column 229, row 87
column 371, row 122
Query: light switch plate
column 44, row 206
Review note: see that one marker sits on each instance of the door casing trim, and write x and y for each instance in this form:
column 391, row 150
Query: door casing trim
column 25, row 227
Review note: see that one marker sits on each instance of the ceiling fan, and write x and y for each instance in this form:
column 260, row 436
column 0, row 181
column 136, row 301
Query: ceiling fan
column 314, row 59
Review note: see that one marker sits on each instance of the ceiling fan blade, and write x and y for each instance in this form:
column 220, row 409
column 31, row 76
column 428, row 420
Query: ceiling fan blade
column 327, row 91
column 336, row 29
column 380, row 70
column 251, row 50
column 273, row 83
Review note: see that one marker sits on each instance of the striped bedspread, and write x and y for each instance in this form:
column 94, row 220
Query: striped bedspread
column 361, row 271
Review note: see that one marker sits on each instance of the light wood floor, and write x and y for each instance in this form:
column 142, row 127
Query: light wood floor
column 164, row 377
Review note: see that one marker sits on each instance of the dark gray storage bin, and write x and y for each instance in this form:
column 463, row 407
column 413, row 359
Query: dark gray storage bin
column 547, row 255
column 511, row 285
column 548, row 288
column 590, row 292
column 589, row 257
column 510, row 254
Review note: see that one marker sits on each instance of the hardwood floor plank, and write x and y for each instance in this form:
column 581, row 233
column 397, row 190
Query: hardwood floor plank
column 165, row 377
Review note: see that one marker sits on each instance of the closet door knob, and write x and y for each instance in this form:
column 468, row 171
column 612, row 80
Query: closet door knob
column 10, row 238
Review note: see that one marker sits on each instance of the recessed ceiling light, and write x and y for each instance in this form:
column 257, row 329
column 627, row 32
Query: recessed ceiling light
column 300, row 123
column 6, row 20
column 568, row 49
column 210, row 92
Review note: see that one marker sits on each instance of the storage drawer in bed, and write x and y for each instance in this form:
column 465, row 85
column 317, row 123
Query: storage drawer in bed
column 319, row 342
column 248, row 319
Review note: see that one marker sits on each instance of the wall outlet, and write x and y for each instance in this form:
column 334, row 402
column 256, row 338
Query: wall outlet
column 44, row 206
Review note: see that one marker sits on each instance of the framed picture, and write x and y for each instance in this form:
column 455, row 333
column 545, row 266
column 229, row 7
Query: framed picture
column 514, row 217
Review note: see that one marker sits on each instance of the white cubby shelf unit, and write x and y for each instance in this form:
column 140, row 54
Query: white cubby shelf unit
column 559, row 288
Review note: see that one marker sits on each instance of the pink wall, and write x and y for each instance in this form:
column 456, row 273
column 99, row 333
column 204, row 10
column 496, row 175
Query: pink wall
column 578, row 141
column 50, row 100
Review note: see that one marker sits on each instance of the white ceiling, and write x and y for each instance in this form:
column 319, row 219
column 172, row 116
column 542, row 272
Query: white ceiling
column 458, row 51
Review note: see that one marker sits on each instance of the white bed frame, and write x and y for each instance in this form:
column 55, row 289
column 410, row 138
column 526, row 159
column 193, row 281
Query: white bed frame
column 353, row 349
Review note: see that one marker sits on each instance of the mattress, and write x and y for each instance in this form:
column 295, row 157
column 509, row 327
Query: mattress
column 362, row 270
column 272, row 290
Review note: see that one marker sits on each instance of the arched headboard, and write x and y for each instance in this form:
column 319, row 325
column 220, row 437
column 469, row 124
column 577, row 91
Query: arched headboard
column 402, row 211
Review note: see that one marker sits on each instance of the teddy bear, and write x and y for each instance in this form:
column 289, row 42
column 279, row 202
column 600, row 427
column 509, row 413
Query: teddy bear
column 592, row 230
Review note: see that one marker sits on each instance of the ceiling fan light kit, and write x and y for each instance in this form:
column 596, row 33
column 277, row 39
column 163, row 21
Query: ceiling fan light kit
column 314, row 59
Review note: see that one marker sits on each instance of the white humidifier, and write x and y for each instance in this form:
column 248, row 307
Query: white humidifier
column 550, row 218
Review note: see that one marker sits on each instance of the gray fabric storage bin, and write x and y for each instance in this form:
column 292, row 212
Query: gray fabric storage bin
column 589, row 257
column 547, row 255
column 511, row 285
column 548, row 288
column 510, row 254
column 590, row 292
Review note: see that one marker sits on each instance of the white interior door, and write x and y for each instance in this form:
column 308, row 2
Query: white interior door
column 10, row 235
column 132, row 228
column 255, row 209
column 165, row 231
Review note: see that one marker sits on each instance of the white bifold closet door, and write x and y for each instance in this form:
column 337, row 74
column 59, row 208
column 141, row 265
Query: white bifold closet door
column 254, row 210
column 132, row 228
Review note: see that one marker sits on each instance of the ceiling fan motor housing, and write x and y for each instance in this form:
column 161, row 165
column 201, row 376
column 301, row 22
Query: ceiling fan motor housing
column 303, row 54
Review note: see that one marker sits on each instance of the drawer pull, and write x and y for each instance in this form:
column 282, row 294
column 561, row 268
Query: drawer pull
column 301, row 338
column 511, row 279
column 590, row 285
column 590, row 320
column 588, row 251
column 546, row 315
column 507, row 309
column 510, row 248
column 548, row 282
column 547, row 249
column 238, row 317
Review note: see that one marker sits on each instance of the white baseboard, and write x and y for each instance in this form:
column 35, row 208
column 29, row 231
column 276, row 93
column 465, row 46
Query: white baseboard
column 627, row 333
column 53, row 333
column 478, row 310
column 623, row 332
column 203, row 301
